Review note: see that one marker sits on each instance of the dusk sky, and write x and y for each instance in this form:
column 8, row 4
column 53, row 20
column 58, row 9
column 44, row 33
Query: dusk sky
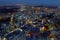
column 33, row 2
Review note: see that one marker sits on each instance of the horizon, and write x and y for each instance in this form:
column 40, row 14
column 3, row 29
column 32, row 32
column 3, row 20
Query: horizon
column 31, row 2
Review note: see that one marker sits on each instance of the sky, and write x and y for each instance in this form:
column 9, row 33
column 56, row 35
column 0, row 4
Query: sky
column 31, row 2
